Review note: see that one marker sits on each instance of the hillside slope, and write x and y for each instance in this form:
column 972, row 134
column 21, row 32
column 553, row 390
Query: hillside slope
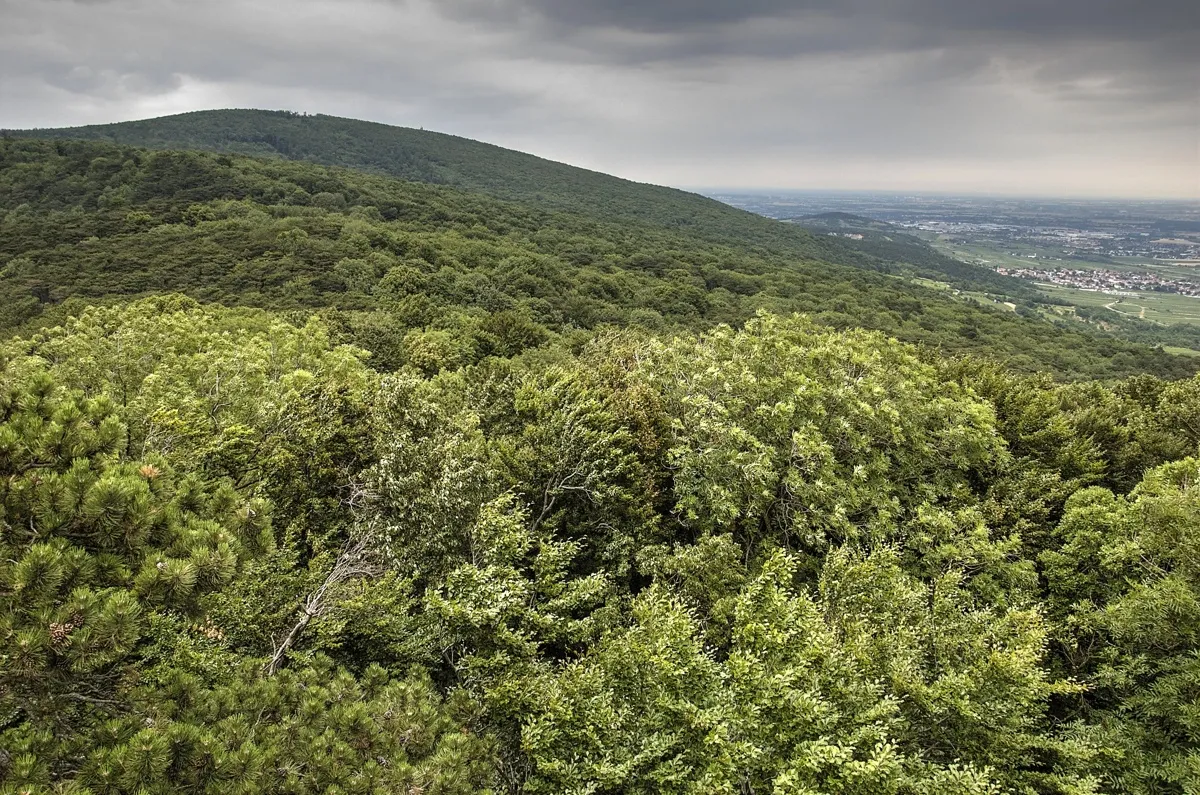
column 437, row 158
column 436, row 275
column 883, row 246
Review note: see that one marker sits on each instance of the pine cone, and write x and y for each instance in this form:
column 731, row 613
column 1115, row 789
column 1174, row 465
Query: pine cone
column 60, row 634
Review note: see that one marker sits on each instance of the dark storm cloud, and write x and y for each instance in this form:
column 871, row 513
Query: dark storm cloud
column 1149, row 49
column 1018, row 95
column 1166, row 31
column 1036, row 18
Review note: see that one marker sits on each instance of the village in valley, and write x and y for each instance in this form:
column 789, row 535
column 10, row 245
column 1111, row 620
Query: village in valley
column 1106, row 281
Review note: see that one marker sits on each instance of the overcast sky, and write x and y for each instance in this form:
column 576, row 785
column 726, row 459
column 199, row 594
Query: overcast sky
column 1066, row 97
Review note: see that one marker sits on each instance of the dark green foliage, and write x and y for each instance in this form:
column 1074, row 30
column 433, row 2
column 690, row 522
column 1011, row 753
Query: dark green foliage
column 317, row 731
column 115, row 672
column 421, row 156
column 435, row 277
column 1124, row 584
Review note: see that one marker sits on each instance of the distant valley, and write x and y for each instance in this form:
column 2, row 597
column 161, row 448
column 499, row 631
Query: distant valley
column 1105, row 262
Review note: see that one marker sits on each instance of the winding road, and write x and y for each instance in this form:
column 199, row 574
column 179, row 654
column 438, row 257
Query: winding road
column 1113, row 307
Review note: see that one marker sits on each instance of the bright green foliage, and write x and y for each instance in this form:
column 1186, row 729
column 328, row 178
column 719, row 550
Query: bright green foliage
column 114, row 677
column 791, row 434
column 967, row 677
column 196, row 384
column 594, row 541
column 91, row 548
column 231, row 393
column 642, row 713
column 880, row 684
column 1125, row 585
column 517, row 599
column 432, row 478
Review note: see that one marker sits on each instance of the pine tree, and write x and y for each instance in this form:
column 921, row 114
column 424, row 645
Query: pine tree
column 92, row 547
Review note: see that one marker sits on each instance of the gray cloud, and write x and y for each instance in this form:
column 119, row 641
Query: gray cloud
column 1036, row 18
column 1075, row 96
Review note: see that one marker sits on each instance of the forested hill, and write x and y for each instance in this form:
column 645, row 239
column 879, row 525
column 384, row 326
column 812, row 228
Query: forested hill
column 883, row 246
column 437, row 158
column 436, row 277
column 844, row 221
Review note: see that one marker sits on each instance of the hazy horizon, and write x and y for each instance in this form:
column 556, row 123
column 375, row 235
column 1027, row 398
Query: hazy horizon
column 1188, row 201
column 1009, row 99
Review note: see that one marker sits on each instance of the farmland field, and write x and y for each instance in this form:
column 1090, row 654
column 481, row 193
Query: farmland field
column 1165, row 308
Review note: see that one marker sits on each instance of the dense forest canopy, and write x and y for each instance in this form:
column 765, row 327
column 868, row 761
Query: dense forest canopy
column 430, row 157
column 457, row 275
column 315, row 480
column 436, row 158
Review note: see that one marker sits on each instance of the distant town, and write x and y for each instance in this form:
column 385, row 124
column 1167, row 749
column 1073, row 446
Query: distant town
column 1107, row 281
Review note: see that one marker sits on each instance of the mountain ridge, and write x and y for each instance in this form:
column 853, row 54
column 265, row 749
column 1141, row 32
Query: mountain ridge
column 439, row 158
column 422, row 156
